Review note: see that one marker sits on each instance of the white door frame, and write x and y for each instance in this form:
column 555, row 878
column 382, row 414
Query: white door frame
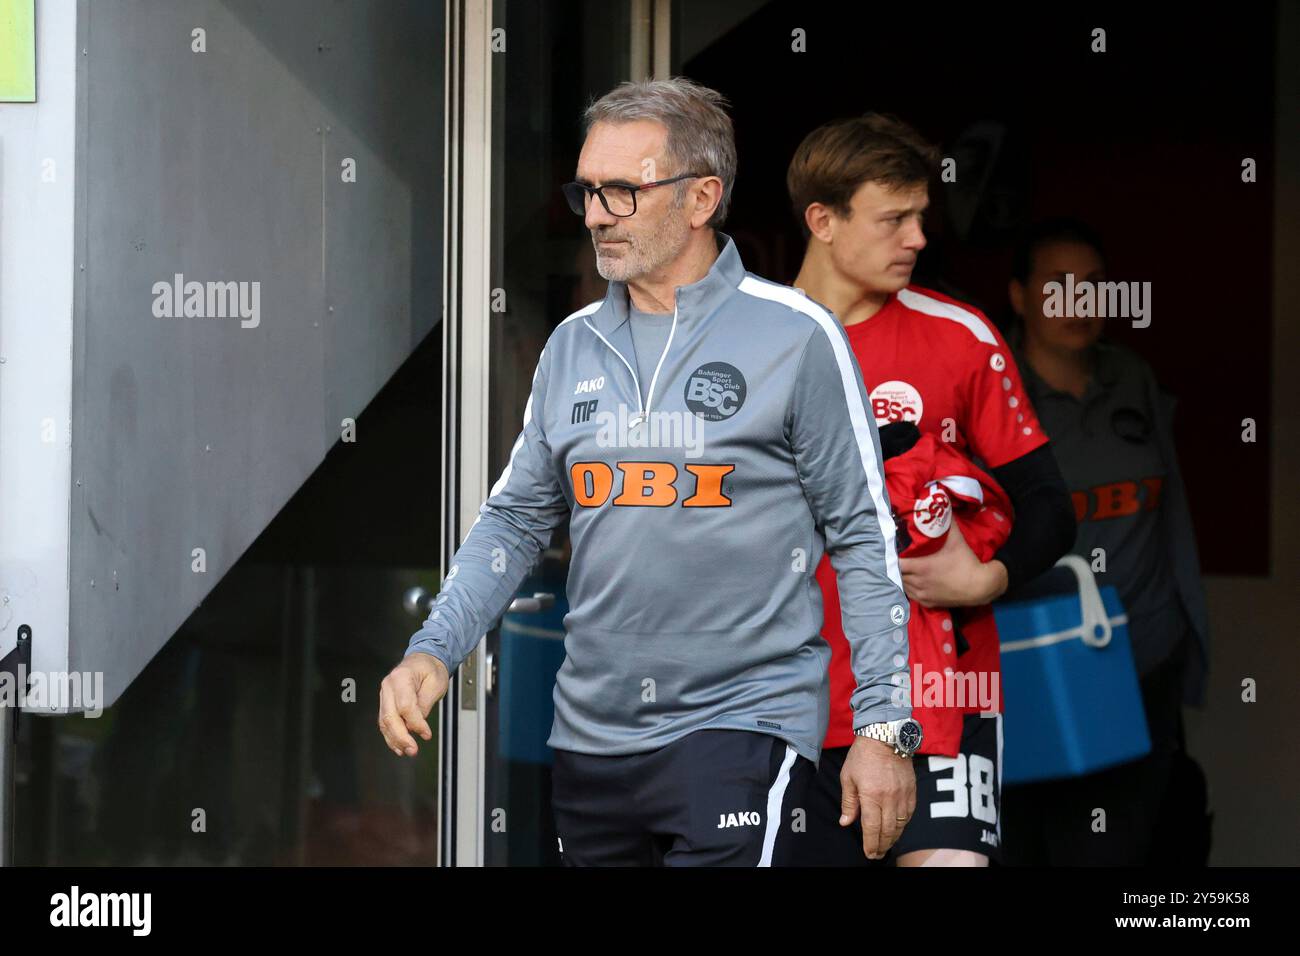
column 465, row 343
column 475, row 178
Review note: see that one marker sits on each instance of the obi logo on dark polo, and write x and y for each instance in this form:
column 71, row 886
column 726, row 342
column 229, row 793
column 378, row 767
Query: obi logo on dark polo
column 715, row 391
column 1118, row 499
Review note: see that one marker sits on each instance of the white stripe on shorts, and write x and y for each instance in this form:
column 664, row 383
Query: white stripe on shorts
column 775, row 797
column 999, row 720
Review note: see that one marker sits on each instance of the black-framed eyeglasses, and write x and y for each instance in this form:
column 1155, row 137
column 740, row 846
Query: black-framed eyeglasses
column 619, row 199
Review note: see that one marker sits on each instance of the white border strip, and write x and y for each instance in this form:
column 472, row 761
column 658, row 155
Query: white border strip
column 852, row 399
column 1045, row 640
column 775, row 797
column 946, row 310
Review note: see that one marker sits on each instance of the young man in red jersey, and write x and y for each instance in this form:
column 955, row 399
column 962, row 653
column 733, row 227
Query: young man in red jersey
column 860, row 190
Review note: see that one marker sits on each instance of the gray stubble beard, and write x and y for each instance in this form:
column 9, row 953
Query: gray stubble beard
column 645, row 255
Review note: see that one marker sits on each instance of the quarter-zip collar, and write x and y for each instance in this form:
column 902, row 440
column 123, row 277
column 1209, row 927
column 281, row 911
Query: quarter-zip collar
column 694, row 302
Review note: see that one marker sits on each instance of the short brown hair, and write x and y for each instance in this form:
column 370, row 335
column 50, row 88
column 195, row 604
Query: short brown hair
column 835, row 159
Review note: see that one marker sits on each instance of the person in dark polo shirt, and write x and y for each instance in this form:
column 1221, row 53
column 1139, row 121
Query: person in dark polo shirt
column 1111, row 430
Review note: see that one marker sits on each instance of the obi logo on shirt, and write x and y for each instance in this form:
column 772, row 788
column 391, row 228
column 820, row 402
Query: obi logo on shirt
column 649, row 484
column 896, row 401
column 1117, row 499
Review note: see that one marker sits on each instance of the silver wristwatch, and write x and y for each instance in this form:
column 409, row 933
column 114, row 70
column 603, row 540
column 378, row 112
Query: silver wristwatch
column 903, row 735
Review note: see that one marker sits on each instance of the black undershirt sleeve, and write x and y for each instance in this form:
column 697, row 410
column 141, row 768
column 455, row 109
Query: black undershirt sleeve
column 1044, row 525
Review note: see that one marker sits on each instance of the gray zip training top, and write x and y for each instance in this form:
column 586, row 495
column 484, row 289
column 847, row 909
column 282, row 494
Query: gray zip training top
column 697, row 523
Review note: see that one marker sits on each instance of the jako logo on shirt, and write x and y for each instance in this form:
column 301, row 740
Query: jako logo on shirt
column 896, row 401
column 746, row 819
column 590, row 385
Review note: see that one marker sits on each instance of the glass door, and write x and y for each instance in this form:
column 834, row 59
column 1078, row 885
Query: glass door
column 542, row 63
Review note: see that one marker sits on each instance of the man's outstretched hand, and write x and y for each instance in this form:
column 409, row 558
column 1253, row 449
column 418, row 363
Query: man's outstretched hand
column 881, row 786
column 406, row 696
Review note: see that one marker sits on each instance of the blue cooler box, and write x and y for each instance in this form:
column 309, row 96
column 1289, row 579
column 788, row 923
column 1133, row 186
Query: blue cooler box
column 532, row 650
column 1073, row 704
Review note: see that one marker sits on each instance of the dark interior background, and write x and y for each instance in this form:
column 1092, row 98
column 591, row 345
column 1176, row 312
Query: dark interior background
column 1144, row 142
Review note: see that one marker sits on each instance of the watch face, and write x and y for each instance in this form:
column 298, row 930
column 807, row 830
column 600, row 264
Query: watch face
column 909, row 736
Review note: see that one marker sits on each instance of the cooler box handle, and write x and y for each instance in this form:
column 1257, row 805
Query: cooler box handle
column 1094, row 626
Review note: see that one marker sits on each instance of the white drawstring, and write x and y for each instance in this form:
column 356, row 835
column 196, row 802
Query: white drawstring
column 654, row 378
column 629, row 367
column 642, row 411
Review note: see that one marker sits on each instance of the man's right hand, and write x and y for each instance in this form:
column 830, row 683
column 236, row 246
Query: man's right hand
column 880, row 786
column 406, row 696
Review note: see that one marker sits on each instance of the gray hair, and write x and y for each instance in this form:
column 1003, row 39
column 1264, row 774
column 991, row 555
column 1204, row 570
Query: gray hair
column 700, row 136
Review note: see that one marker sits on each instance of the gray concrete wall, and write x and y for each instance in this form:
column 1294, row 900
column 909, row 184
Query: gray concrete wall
column 225, row 166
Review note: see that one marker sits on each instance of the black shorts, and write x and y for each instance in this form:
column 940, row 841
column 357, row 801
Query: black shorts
column 958, row 804
column 712, row 798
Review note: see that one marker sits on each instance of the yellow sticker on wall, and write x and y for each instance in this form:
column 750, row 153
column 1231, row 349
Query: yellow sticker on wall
column 17, row 51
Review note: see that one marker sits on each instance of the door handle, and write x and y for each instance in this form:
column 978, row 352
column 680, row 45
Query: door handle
column 531, row 605
column 418, row 602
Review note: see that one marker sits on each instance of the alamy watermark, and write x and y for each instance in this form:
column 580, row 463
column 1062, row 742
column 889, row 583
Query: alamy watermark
column 88, row 909
column 53, row 690
column 208, row 300
column 976, row 690
column 628, row 428
column 1102, row 300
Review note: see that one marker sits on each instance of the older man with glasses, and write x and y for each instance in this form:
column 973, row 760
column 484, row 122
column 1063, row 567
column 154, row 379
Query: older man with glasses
column 707, row 432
